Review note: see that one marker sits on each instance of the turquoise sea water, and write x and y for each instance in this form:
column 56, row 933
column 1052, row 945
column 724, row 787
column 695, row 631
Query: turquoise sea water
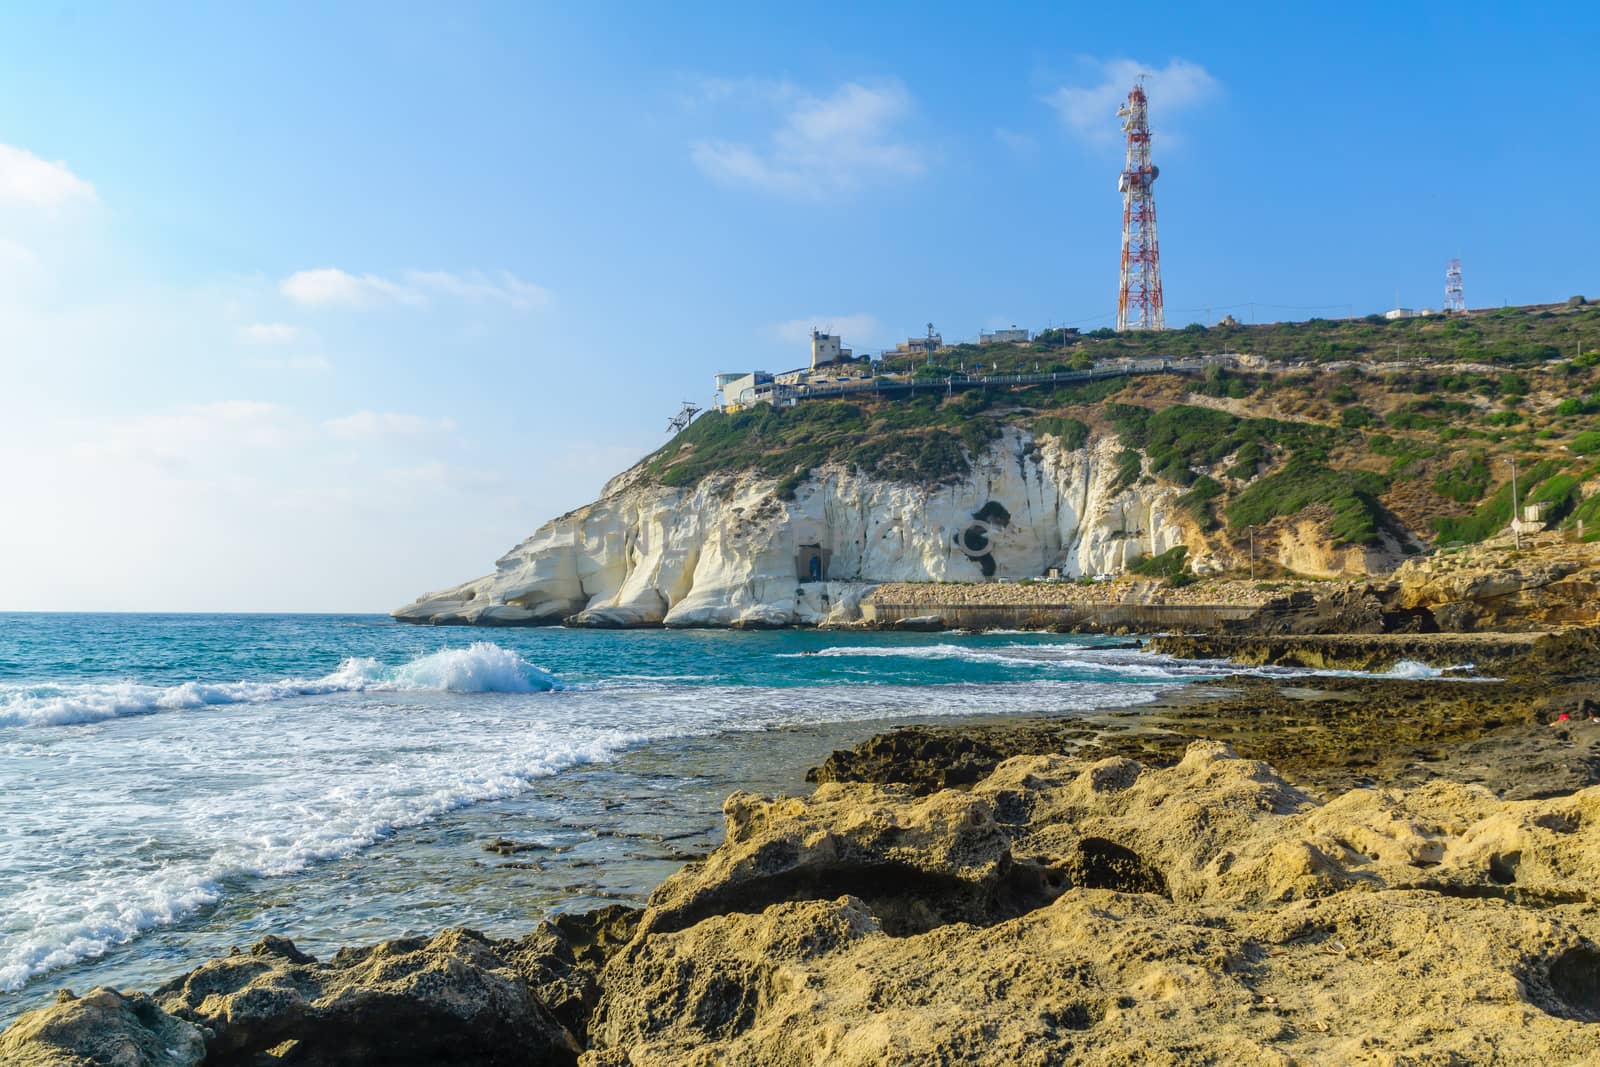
column 173, row 785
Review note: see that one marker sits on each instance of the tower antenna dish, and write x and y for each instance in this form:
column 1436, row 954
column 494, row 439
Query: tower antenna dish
column 1455, row 299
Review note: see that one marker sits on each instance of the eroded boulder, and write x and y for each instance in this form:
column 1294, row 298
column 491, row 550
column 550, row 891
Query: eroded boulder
column 452, row 998
column 103, row 1028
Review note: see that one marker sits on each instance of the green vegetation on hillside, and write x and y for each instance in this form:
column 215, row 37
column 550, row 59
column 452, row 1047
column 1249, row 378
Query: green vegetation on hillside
column 1410, row 435
column 1180, row 437
column 1506, row 336
column 920, row 440
column 1351, row 495
column 1167, row 565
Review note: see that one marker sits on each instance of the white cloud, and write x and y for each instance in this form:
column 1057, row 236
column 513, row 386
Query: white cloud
column 437, row 476
column 324, row 286
column 824, row 145
column 269, row 333
column 1090, row 110
column 502, row 287
column 16, row 258
column 27, row 179
column 369, row 424
column 198, row 432
column 289, row 363
column 857, row 329
column 1019, row 143
column 330, row 285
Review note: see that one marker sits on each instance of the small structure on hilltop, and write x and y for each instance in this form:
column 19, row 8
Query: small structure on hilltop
column 1455, row 298
column 741, row 389
column 1000, row 337
column 826, row 349
column 921, row 346
column 680, row 422
column 830, row 362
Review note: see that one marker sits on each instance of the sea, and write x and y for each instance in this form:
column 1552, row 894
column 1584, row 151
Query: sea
column 175, row 785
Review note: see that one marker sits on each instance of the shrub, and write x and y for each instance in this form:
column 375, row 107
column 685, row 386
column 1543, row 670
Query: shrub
column 1466, row 481
column 1072, row 433
column 1351, row 494
column 1197, row 501
column 1246, row 461
column 1355, row 417
column 1169, row 563
column 1494, row 513
column 1586, row 442
column 1130, row 464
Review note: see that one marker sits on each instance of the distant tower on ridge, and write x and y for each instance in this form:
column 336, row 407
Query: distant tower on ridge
column 1139, row 304
column 1454, row 298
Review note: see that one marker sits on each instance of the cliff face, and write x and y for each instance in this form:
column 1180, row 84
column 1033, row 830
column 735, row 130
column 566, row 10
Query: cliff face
column 729, row 552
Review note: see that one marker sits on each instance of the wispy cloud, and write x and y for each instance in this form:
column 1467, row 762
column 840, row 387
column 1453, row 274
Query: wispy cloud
column 323, row 286
column 1088, row 109
column 27, row 179
column 333, row 287
column 177, row 438
column 822, row 145
column 365, row 425
column 289, row 363
column 501, row 287
column 857, row 329
column 438, row 476
column 269, row 333
column 1019, row 143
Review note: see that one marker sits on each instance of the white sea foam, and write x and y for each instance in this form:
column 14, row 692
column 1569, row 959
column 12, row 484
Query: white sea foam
column 74, row 911
column 1125, row 663
column 482, row 667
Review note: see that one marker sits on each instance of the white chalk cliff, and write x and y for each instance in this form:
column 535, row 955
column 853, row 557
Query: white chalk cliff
column 729, row 552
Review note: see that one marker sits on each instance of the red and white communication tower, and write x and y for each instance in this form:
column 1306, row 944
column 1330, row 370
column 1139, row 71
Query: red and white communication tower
column 1139, row 300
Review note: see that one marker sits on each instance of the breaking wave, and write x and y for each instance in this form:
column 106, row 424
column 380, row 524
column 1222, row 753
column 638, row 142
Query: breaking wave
column 1125, row 663
column 482, row 667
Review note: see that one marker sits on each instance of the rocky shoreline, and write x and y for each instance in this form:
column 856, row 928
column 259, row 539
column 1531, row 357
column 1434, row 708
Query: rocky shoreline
column 1367, row 871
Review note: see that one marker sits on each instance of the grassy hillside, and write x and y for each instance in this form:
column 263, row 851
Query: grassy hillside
column 1503, row 337
column 1409, row 433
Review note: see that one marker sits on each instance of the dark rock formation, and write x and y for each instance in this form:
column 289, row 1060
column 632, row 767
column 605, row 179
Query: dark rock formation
column 449, row 999
column 562, row 958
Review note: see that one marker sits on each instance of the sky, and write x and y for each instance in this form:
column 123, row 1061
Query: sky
column 317, row 307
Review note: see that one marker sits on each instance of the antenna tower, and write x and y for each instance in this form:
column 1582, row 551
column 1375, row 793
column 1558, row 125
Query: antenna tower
column 1139, row 305
column 1454, row 299
column 679, row 422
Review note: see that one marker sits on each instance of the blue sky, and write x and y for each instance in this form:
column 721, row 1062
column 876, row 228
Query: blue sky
column 316, row 307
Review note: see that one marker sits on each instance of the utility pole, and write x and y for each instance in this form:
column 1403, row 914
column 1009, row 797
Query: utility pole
column 1252, row 553
column 1516, row 527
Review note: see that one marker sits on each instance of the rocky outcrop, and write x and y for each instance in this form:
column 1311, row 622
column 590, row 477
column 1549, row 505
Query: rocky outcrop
column 1109, row 913
column 102, row 1029
column 1548, row 583
column 1060, row 911
column 454, row 998
column 730, row 551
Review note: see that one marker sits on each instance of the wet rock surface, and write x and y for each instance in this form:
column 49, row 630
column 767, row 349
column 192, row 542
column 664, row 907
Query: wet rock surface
column 1342, row 734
